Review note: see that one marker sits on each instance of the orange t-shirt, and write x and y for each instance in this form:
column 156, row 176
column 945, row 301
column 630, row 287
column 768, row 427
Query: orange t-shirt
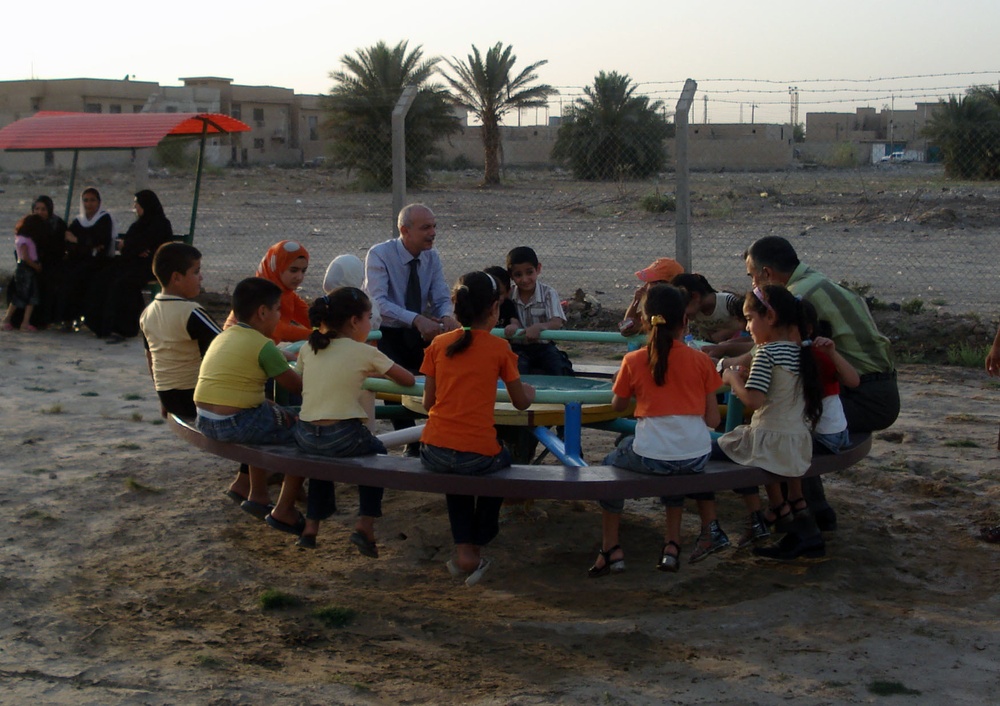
column 690, row 378
column 466, row 391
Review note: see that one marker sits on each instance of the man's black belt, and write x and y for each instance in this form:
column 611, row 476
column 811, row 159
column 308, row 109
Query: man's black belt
column 872, row 377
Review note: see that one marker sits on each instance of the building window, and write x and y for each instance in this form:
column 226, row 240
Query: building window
column 50, row 158
column 92, row 108
column 258, row 143
column 36, row 104
column 136, row 108
column 313, row 128
column 115, row 108
column 237, row 111
column 258, row 116
column 171, row 109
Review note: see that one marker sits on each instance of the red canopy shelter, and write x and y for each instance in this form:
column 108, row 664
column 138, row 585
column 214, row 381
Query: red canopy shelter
column 51, row 130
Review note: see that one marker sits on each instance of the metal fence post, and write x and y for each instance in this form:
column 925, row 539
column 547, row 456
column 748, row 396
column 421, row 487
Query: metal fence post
column 682, row 237
column 399, row 152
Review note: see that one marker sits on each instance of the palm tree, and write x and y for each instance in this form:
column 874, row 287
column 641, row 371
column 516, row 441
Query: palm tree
column 612, row 133
column 967, row 130
column 486, row 88
column 359, row 113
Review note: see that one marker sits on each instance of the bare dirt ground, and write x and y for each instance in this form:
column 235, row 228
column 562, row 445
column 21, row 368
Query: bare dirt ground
column 127, row 578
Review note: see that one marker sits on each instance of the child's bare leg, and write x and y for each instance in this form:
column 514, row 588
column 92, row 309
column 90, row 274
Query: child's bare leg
column 10, row 313
column 241, row 484
column 284, row 510
column 366, row 526
column 707, row 513
column 26, row 321
column 611, row 552
column 467, row 557
column 795, row 499
column 752, row 501
column 257, row 491
column 774, row 495
column 674, row 515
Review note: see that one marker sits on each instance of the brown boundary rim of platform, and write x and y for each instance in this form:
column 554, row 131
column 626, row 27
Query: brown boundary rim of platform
column 541, row 481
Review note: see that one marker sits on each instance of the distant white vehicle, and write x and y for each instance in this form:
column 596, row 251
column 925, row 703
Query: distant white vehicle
column 895, row 157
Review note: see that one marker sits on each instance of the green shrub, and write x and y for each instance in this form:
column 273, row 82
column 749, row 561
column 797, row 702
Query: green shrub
column 658, row 203
column 912, row 306
column 273, row 599
column 967, row 356
column 335, row 616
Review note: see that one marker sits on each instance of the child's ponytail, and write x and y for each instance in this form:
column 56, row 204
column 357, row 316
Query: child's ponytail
column 664, row 308
column 332, row 311
column 473, row 297
column 812, row 385
column 318, row 313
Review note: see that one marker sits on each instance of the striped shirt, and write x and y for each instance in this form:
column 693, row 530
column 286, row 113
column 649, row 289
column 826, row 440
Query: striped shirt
column 765, row 357
column 854, row 331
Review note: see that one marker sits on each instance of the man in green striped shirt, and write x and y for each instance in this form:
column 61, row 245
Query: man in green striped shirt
column 872, row 405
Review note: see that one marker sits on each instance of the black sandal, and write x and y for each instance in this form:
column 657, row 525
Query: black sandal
column 610, row 567
column 670, row 562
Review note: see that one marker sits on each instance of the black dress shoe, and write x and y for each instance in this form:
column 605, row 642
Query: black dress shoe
column 826, row 520
column 792, row 546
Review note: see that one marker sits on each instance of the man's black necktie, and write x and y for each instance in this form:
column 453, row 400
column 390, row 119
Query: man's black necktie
column 413, row 301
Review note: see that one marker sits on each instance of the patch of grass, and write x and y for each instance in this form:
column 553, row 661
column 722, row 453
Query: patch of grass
column 128, row 446
column 912, row 306
column 962, row 444
column 41, row 389
column 891, row 688
column 939, row 302
column 157, row 422
column 963, row 418
column 136, row 487
column 136, row 416
column 273, row 599
column 992, row 384
column 967, row 356
column 208, row 661
column 39, row 515
column 132, row 396
column 335, row 616
column 658, row 203
column 54, row 409
column 89, row 394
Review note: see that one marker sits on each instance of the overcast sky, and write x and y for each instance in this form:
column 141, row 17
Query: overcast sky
column 838, row 55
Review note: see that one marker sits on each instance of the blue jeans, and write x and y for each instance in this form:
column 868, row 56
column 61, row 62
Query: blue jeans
column 474, row 520
column 830, row 443
column 624, row 456
column 341, row 440
column 541, row 358
column 267, row 424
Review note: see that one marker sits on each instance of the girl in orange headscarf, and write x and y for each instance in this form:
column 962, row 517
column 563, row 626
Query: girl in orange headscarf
column 285, row 264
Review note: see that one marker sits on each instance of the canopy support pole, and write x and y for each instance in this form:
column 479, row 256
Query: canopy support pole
column 197, row 181
column 72, row 181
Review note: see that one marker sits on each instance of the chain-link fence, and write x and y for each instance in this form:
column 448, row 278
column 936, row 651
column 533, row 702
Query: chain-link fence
column 905, row 230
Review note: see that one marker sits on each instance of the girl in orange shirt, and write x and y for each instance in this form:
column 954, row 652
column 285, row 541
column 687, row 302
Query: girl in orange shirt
column 461, row 369
column 674, row 388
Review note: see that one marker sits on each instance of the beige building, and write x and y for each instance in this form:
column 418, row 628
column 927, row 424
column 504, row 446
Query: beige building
column 871, row 134
column 284, row 126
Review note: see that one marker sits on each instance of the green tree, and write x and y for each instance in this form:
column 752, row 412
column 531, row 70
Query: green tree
column 359, row 113
column 967, row 129
column 486, row 87
column 612, row 133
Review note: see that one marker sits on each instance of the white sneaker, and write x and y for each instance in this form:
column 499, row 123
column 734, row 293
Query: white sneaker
column 484, row 566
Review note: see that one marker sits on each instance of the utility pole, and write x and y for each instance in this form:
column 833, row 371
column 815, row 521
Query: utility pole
column 793, row 92
column 704, row 109
column 753, row 109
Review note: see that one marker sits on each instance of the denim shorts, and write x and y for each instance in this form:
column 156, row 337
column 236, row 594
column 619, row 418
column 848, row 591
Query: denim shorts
column 267, row 424
column 466, row 463
column 624, row 456
column 350, row 437
column 831, row 443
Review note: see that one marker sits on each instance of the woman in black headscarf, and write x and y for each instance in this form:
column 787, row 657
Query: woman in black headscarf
column 51, row 252
column 116, row 301
column 88, row 245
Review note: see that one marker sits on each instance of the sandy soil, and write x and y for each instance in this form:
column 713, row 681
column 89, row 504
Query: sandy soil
column 127, row 578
